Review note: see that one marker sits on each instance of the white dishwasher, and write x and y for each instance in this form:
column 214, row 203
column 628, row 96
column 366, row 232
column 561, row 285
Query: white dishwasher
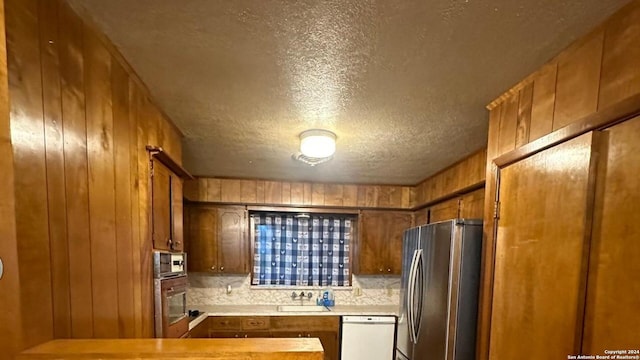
column 368, row 337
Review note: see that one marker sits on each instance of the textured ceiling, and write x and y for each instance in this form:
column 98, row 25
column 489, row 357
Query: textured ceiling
column 402, row 83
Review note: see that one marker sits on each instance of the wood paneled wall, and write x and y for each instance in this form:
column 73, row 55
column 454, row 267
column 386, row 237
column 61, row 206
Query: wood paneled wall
column 594, row 73
column 80, row 120
column 597, row 73
column 261, row 192
column 10, row 320
column 459, row 178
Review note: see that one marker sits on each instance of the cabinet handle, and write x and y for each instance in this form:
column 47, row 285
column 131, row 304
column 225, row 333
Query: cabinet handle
column 380, row 270
column 213, row 268
column 299, row 335
column 221, row 268
column 308, row 335
column 388, row 270
column 245, row 335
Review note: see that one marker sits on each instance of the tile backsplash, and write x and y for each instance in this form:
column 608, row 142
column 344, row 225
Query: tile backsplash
column 206, row 289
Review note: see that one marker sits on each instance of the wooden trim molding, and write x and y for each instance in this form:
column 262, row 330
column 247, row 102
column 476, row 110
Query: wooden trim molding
column 157, row 152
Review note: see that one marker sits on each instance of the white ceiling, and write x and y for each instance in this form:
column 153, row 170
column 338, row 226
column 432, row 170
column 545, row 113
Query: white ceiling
column 402, row 83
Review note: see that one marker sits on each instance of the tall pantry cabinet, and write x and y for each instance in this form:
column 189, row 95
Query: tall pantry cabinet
column 567, row 248
column 562, row 212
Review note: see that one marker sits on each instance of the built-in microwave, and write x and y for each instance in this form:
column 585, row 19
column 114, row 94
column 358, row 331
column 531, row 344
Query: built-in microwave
column 167, row 264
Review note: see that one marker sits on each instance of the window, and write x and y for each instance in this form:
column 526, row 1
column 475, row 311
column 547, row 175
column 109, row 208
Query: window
column 301, row 249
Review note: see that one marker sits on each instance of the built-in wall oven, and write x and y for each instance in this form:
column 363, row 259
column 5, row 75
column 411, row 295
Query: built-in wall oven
column 170, row 293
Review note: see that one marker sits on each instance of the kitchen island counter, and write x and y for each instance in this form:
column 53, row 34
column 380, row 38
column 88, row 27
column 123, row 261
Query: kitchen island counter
column 218, row 349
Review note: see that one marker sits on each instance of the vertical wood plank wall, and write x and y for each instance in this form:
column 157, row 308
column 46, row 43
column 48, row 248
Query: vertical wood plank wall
column 10, row 320
column 466, row 175
column 80, row 120
column 261, row 192
column 598, row 71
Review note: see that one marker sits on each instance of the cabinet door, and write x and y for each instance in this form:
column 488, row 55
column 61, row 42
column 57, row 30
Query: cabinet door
column 538, row 296
column 232, row 241
column 202, row 253
column 201, row 331
column 397, row 223
column 161, row 204
column 177, row 221
column 472, row 205
column 612, row 319
column 372, row 247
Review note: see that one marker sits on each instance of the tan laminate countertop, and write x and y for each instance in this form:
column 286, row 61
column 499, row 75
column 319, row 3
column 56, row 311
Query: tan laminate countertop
column 218, row 349
column 272, row 310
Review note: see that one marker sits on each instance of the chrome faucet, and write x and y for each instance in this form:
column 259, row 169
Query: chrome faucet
column 301, row 296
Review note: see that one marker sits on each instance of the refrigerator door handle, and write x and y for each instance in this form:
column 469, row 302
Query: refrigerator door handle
column 410, row 295
column 418, row 313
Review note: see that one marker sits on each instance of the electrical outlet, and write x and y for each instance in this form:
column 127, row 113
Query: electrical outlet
column 357, row 291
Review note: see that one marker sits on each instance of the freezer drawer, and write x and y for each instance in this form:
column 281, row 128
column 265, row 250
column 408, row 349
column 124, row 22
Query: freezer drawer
column 368, row 337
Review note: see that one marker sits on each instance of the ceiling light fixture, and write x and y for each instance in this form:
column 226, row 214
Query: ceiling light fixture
column 317, row 146
column 317, row 143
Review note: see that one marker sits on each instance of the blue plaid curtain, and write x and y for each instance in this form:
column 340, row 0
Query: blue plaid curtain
column 301, row 251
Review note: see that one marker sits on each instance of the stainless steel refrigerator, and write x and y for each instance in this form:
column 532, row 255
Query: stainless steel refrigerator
column 439, row 296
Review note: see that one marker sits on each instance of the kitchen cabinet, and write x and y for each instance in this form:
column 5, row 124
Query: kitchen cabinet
column 466, row 206
column 167, row 208
column 446, row 210
column 200, row 331
column 567, row 229
column 472, row 205
column 239, row 327
column 326, row 328
column 379, row 250
column 612, row 319
column 217, row 239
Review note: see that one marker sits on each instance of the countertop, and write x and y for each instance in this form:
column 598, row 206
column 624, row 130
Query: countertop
column 219, row 349
column 272, row 310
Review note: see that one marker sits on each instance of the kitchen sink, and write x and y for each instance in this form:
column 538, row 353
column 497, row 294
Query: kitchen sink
column 302, row 308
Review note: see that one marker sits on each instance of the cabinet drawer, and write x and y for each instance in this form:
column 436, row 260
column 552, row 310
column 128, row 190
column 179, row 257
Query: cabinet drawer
column 256, row 323
column 225, row 323
column 308, row 323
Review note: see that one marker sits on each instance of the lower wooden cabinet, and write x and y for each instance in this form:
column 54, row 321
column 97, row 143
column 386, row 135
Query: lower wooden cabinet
column 325, row 328
column 201, row 330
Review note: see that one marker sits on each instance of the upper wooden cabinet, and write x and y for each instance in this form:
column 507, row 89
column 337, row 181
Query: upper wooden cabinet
column 466, row 206
column 472, row 205
column 217, row 239
column 166, row 199
column 445, row 210
column 379, row 249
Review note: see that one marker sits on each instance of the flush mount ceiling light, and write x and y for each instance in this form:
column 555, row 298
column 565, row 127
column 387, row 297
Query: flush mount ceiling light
column 316, row 146
column 317, row 143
